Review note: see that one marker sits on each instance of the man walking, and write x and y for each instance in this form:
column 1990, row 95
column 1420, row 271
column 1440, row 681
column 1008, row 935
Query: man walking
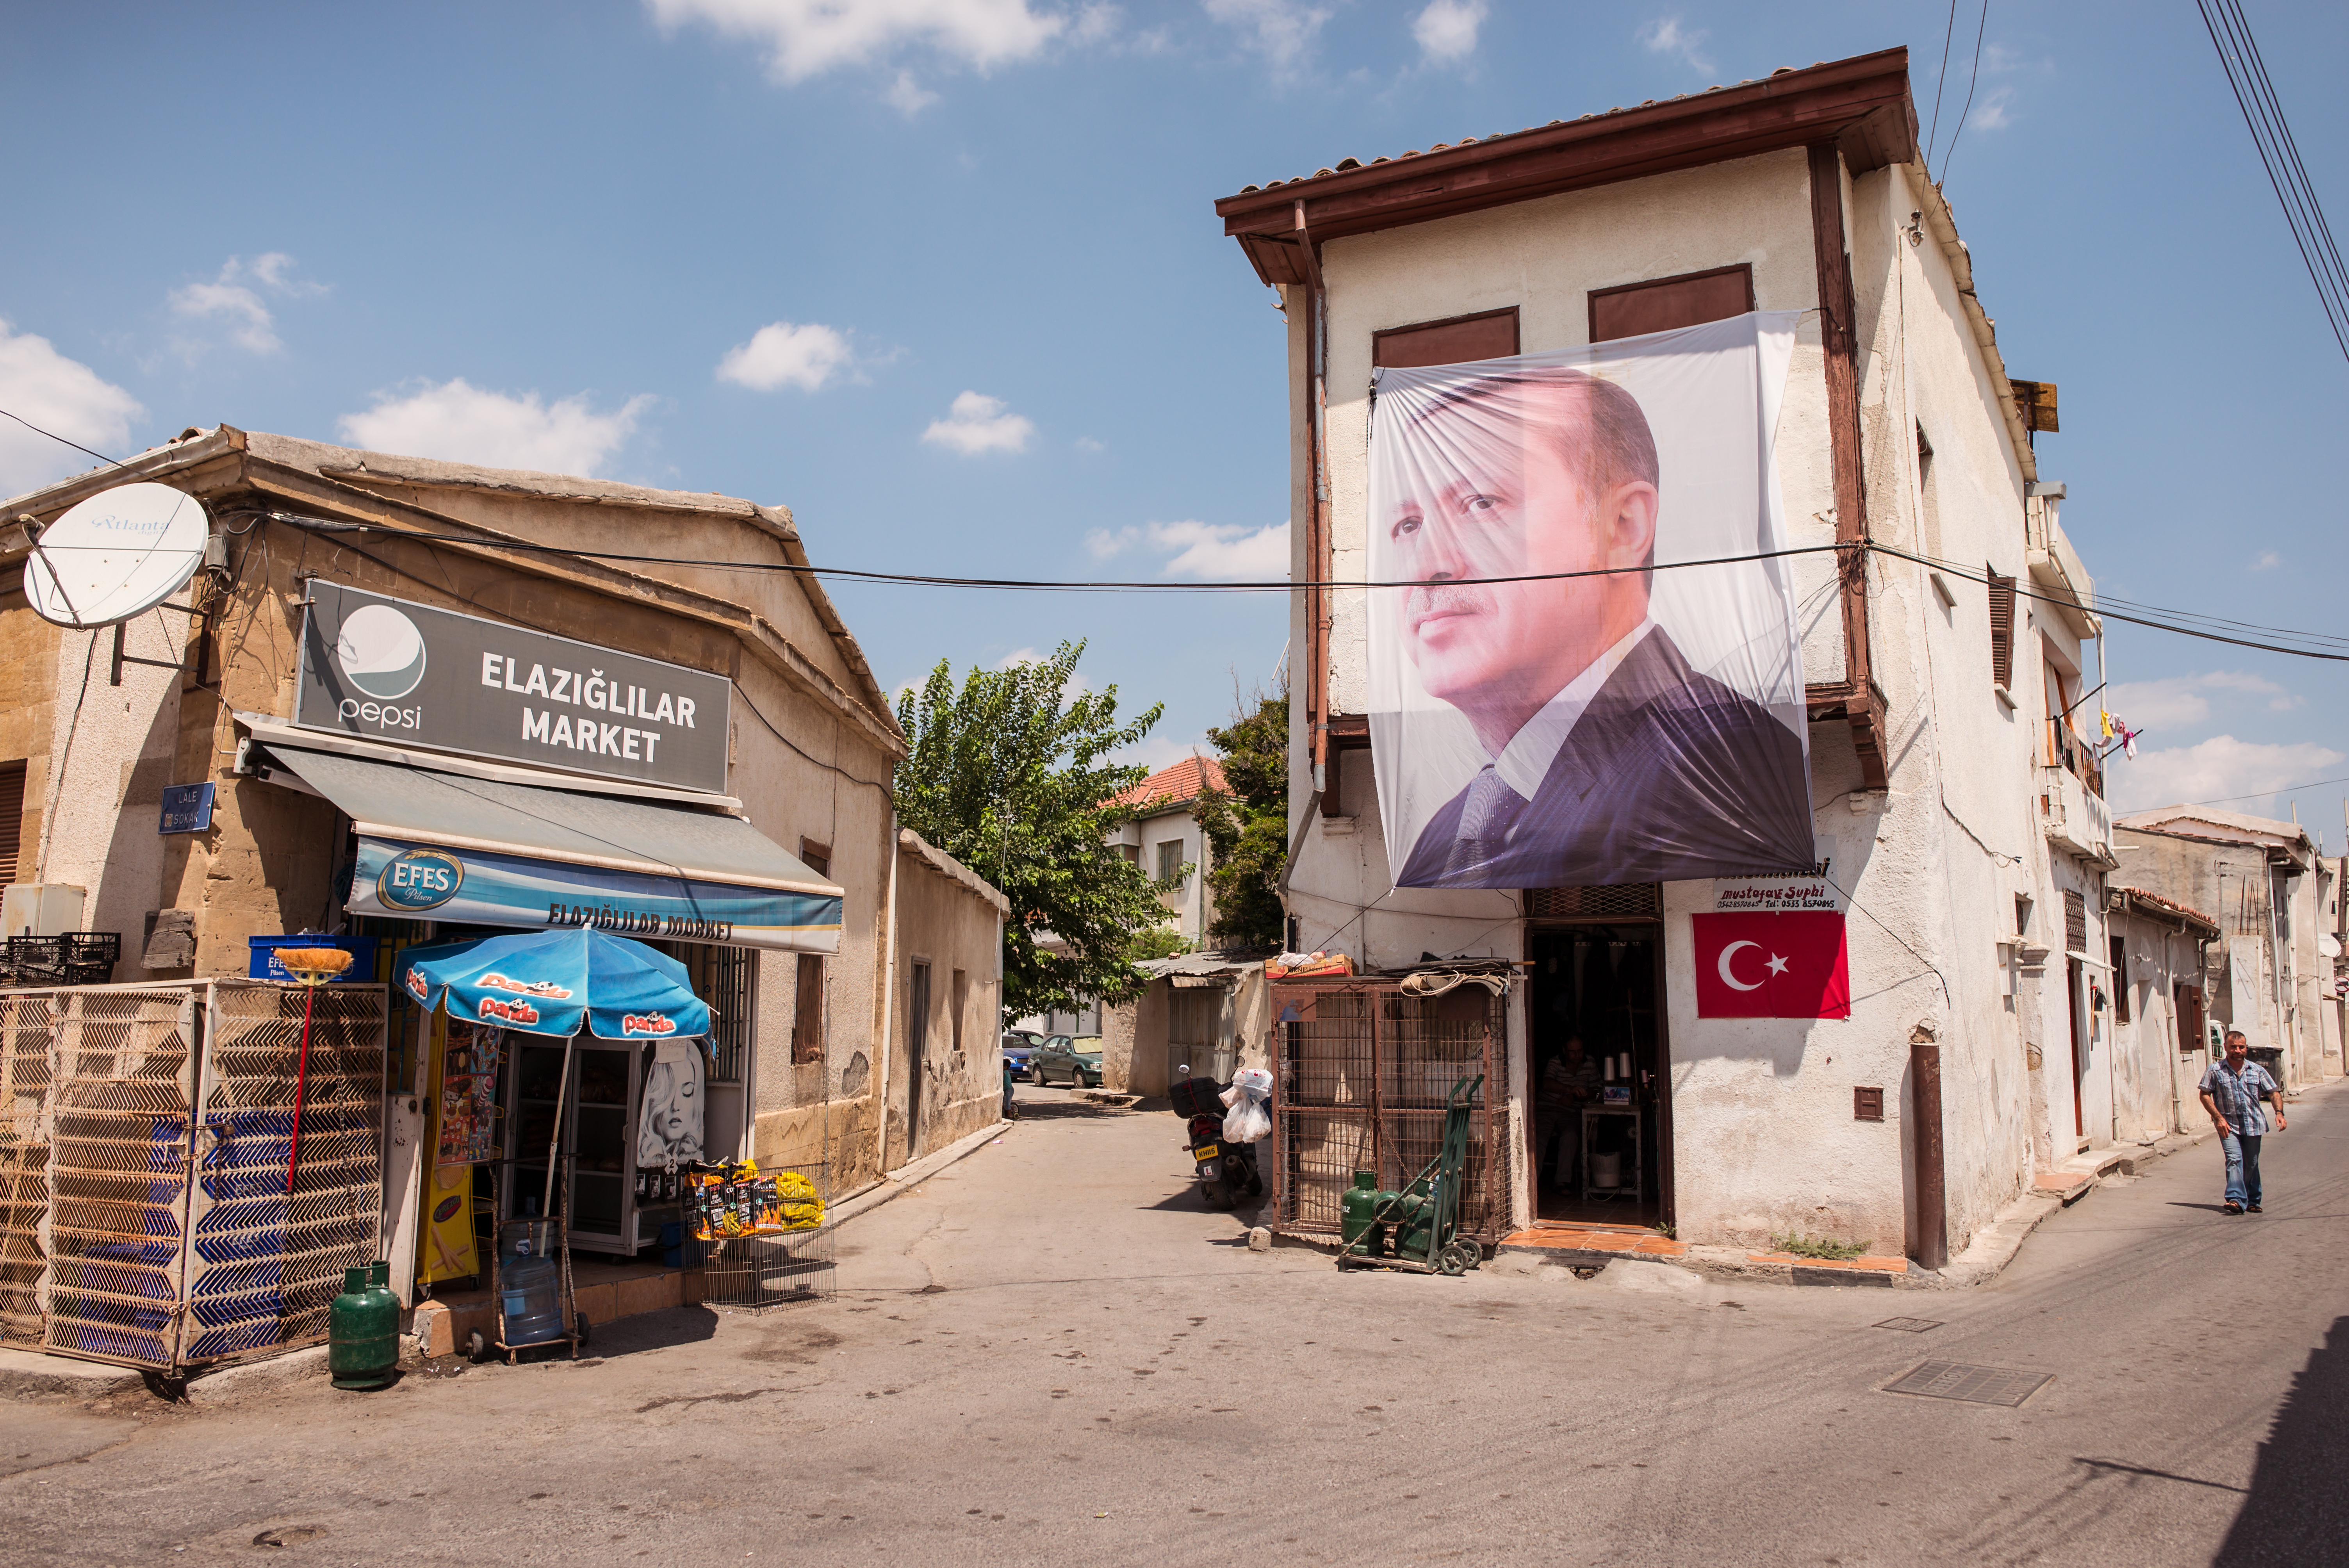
column 2231, row 1092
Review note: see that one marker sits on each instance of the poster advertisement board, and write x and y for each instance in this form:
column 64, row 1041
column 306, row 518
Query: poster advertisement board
column 1585, row 665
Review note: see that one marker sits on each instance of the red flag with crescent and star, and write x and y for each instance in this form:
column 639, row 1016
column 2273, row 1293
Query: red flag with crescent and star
column 1782, row 966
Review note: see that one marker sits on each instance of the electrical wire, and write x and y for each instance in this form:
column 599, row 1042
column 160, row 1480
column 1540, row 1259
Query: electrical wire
column 53, row 436
column 2263, row 117
column 1972, row 80
column 1948, row 31
column 2264, row 794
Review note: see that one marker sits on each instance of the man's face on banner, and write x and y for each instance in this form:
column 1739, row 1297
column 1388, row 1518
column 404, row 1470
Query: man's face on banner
column 1504, row 489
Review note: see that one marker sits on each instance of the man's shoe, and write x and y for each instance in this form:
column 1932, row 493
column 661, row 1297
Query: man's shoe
column 2255, row 1208
column 2234, row 1208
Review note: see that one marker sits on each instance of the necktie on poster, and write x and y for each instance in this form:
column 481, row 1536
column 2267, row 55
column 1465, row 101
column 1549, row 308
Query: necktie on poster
column 1787, row 966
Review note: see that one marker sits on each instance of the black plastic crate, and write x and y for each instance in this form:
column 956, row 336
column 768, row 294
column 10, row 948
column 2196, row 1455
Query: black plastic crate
column 71, row 958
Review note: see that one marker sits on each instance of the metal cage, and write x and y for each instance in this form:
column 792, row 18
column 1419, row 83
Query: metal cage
column 1364, row 1072
column 144, row 1211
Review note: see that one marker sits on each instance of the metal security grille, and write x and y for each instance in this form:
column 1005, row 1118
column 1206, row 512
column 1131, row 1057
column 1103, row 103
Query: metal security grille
column 24, row 1162
column 1364, row 1074
column 144, row 1139
column 1198, row 1039
column 1597, row 901
column 768, row 1271
column 122, row 1072
column 265, row 1265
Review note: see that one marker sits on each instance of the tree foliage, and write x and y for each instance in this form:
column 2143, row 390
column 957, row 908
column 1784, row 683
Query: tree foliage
column 1249, row 827
column 1011, row 775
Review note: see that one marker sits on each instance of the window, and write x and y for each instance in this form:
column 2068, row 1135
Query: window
column 1664, row 304
column 1131, row 852
column 2120, row 981
column 1929, row 505
column 2189, row 1000
column 1348, row 781
column 960, row 997
column 2002, row 628
column 817, row 857
column 2075, row 923
column 12, row 817
column 1489, row 334
column 807, row 1011
column 1170, row 860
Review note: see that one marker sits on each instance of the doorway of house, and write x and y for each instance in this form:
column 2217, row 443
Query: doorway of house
column 917, row 1045
column 1596, row 1079
column 2074, row 975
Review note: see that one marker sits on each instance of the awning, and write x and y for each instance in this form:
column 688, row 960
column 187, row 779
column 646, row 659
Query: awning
column 485, row 852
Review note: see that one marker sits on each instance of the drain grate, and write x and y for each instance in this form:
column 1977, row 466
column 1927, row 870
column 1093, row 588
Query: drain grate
column 1908, row 1324
column 1974, row 1385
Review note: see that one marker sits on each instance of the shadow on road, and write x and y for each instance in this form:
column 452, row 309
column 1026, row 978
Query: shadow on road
column 2206, row 1208
column 2295, row 1512
column 1068, row 1110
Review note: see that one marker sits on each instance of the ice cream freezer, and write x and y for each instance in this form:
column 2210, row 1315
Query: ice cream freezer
column 632, row 1118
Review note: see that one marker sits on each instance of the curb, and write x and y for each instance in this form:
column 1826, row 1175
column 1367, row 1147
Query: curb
column 906, row 1178
column 37, row 1375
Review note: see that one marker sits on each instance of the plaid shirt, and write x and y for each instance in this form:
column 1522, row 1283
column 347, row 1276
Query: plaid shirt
column 2237, row 1095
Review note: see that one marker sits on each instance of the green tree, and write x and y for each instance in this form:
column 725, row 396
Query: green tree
column 1249, row 827
column 1011, row 776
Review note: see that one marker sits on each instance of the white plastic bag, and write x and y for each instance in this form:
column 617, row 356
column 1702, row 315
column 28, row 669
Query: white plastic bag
column 1247, row 1122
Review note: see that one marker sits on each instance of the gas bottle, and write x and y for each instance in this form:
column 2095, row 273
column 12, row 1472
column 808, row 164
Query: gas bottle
column 1357, row 1204
column 363, row 1329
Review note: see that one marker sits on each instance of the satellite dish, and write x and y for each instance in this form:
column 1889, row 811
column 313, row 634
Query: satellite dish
column 118, row 554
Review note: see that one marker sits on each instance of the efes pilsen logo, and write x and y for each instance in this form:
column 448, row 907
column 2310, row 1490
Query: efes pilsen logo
column 381, row 652
column 420, row 879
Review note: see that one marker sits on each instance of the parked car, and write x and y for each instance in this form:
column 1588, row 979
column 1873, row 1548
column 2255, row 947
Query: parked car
column 1075, row 1061
column 1020, row 1049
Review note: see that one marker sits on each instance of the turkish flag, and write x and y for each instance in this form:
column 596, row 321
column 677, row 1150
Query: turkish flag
column 1785, row 965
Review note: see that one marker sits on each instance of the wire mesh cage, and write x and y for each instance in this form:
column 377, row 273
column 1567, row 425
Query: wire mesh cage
column 770, row 1271
column 146, row 1135
column 1365, row 1073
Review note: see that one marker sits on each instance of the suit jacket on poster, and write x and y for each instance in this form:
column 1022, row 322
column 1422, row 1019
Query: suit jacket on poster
column 1668, row 775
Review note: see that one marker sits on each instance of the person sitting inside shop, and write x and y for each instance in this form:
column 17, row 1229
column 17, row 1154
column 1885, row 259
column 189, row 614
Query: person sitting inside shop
column 1568, row 1083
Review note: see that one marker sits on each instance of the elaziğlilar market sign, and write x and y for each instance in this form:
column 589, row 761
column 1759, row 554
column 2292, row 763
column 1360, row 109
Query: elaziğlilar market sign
column 391, row 670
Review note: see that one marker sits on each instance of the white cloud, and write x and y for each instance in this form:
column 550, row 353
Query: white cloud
column 1665, row 36
column 1097, row 24
column 463, row 423
column 63, row 397
column 1446, row 30
column 230, row 298
column 1282, row 31
column 1219, row 551
column 2220, row 768
column 1075, row 686
column 981, row 424
column 806, row 37
column 908, row 97
column 1088, row 444
column 1991, row 113
column 2266, row 560
column 2180, row 702
column 783, row 354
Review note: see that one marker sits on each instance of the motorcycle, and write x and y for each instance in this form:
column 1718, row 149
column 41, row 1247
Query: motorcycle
column 1226, row 1166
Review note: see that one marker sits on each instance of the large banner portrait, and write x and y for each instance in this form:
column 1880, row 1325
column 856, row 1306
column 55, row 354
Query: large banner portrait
column 1553, row 700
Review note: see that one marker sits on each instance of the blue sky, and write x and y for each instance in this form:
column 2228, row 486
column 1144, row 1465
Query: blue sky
column 944, row 276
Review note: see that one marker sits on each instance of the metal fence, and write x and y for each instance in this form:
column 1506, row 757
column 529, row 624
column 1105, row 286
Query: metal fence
column 145, row 1216
column 1364, row 1074
column 767, row 1270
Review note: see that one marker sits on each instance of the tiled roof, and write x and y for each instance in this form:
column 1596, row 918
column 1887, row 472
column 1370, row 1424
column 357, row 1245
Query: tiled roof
column 1180, row 784
column 2172, row 905
column 1346, row 164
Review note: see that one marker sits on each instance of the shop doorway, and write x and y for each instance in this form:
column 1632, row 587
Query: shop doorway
column 1598, row 1086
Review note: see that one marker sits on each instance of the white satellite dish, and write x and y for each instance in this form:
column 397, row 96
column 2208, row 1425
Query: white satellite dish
column 118, row 554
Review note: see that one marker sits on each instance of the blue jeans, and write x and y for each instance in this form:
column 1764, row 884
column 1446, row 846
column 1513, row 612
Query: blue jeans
column 2243, row 1167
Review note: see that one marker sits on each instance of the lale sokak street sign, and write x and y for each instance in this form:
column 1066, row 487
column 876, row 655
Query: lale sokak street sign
column 392, row 670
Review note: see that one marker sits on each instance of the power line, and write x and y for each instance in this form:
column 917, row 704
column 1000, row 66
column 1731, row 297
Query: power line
column 53, row 436
column 1972, row 80
column 2264, row 794
column 2262, row 112
column 1934, row 135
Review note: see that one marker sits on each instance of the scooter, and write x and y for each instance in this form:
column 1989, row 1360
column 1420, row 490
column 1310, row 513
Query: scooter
column 1227, row 1170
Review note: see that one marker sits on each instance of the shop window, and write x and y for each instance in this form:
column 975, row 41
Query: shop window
column 1456, row 340
column 726, row 986
column 1664, row 304
column 807, row 1011
column 2121, row 1013
column 12, row 817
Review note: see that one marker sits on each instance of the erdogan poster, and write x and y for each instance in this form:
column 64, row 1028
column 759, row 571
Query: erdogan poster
column 1584, row 661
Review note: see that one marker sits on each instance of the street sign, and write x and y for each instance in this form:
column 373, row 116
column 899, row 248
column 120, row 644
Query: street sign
column 187, row 808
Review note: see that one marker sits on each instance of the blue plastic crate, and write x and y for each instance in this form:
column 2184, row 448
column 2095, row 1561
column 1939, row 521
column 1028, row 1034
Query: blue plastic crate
column 264, row 965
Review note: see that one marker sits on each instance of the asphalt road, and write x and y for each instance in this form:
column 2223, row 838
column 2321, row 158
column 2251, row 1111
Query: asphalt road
column 1051, row 1353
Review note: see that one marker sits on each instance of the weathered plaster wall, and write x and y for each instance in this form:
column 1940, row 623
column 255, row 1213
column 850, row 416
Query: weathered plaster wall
column 945, row 921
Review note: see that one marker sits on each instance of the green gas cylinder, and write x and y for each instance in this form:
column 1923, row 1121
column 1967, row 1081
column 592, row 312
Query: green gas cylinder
column 363, row 1329
column 1356, row 1205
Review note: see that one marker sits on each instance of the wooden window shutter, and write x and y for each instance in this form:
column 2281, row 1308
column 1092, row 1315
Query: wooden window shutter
column 1664, row 305
column 2002, row 629
column 807, row 1011
column 1487, row 335
column 2075, row 922
column 12, row 817
column 2189, row 1019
